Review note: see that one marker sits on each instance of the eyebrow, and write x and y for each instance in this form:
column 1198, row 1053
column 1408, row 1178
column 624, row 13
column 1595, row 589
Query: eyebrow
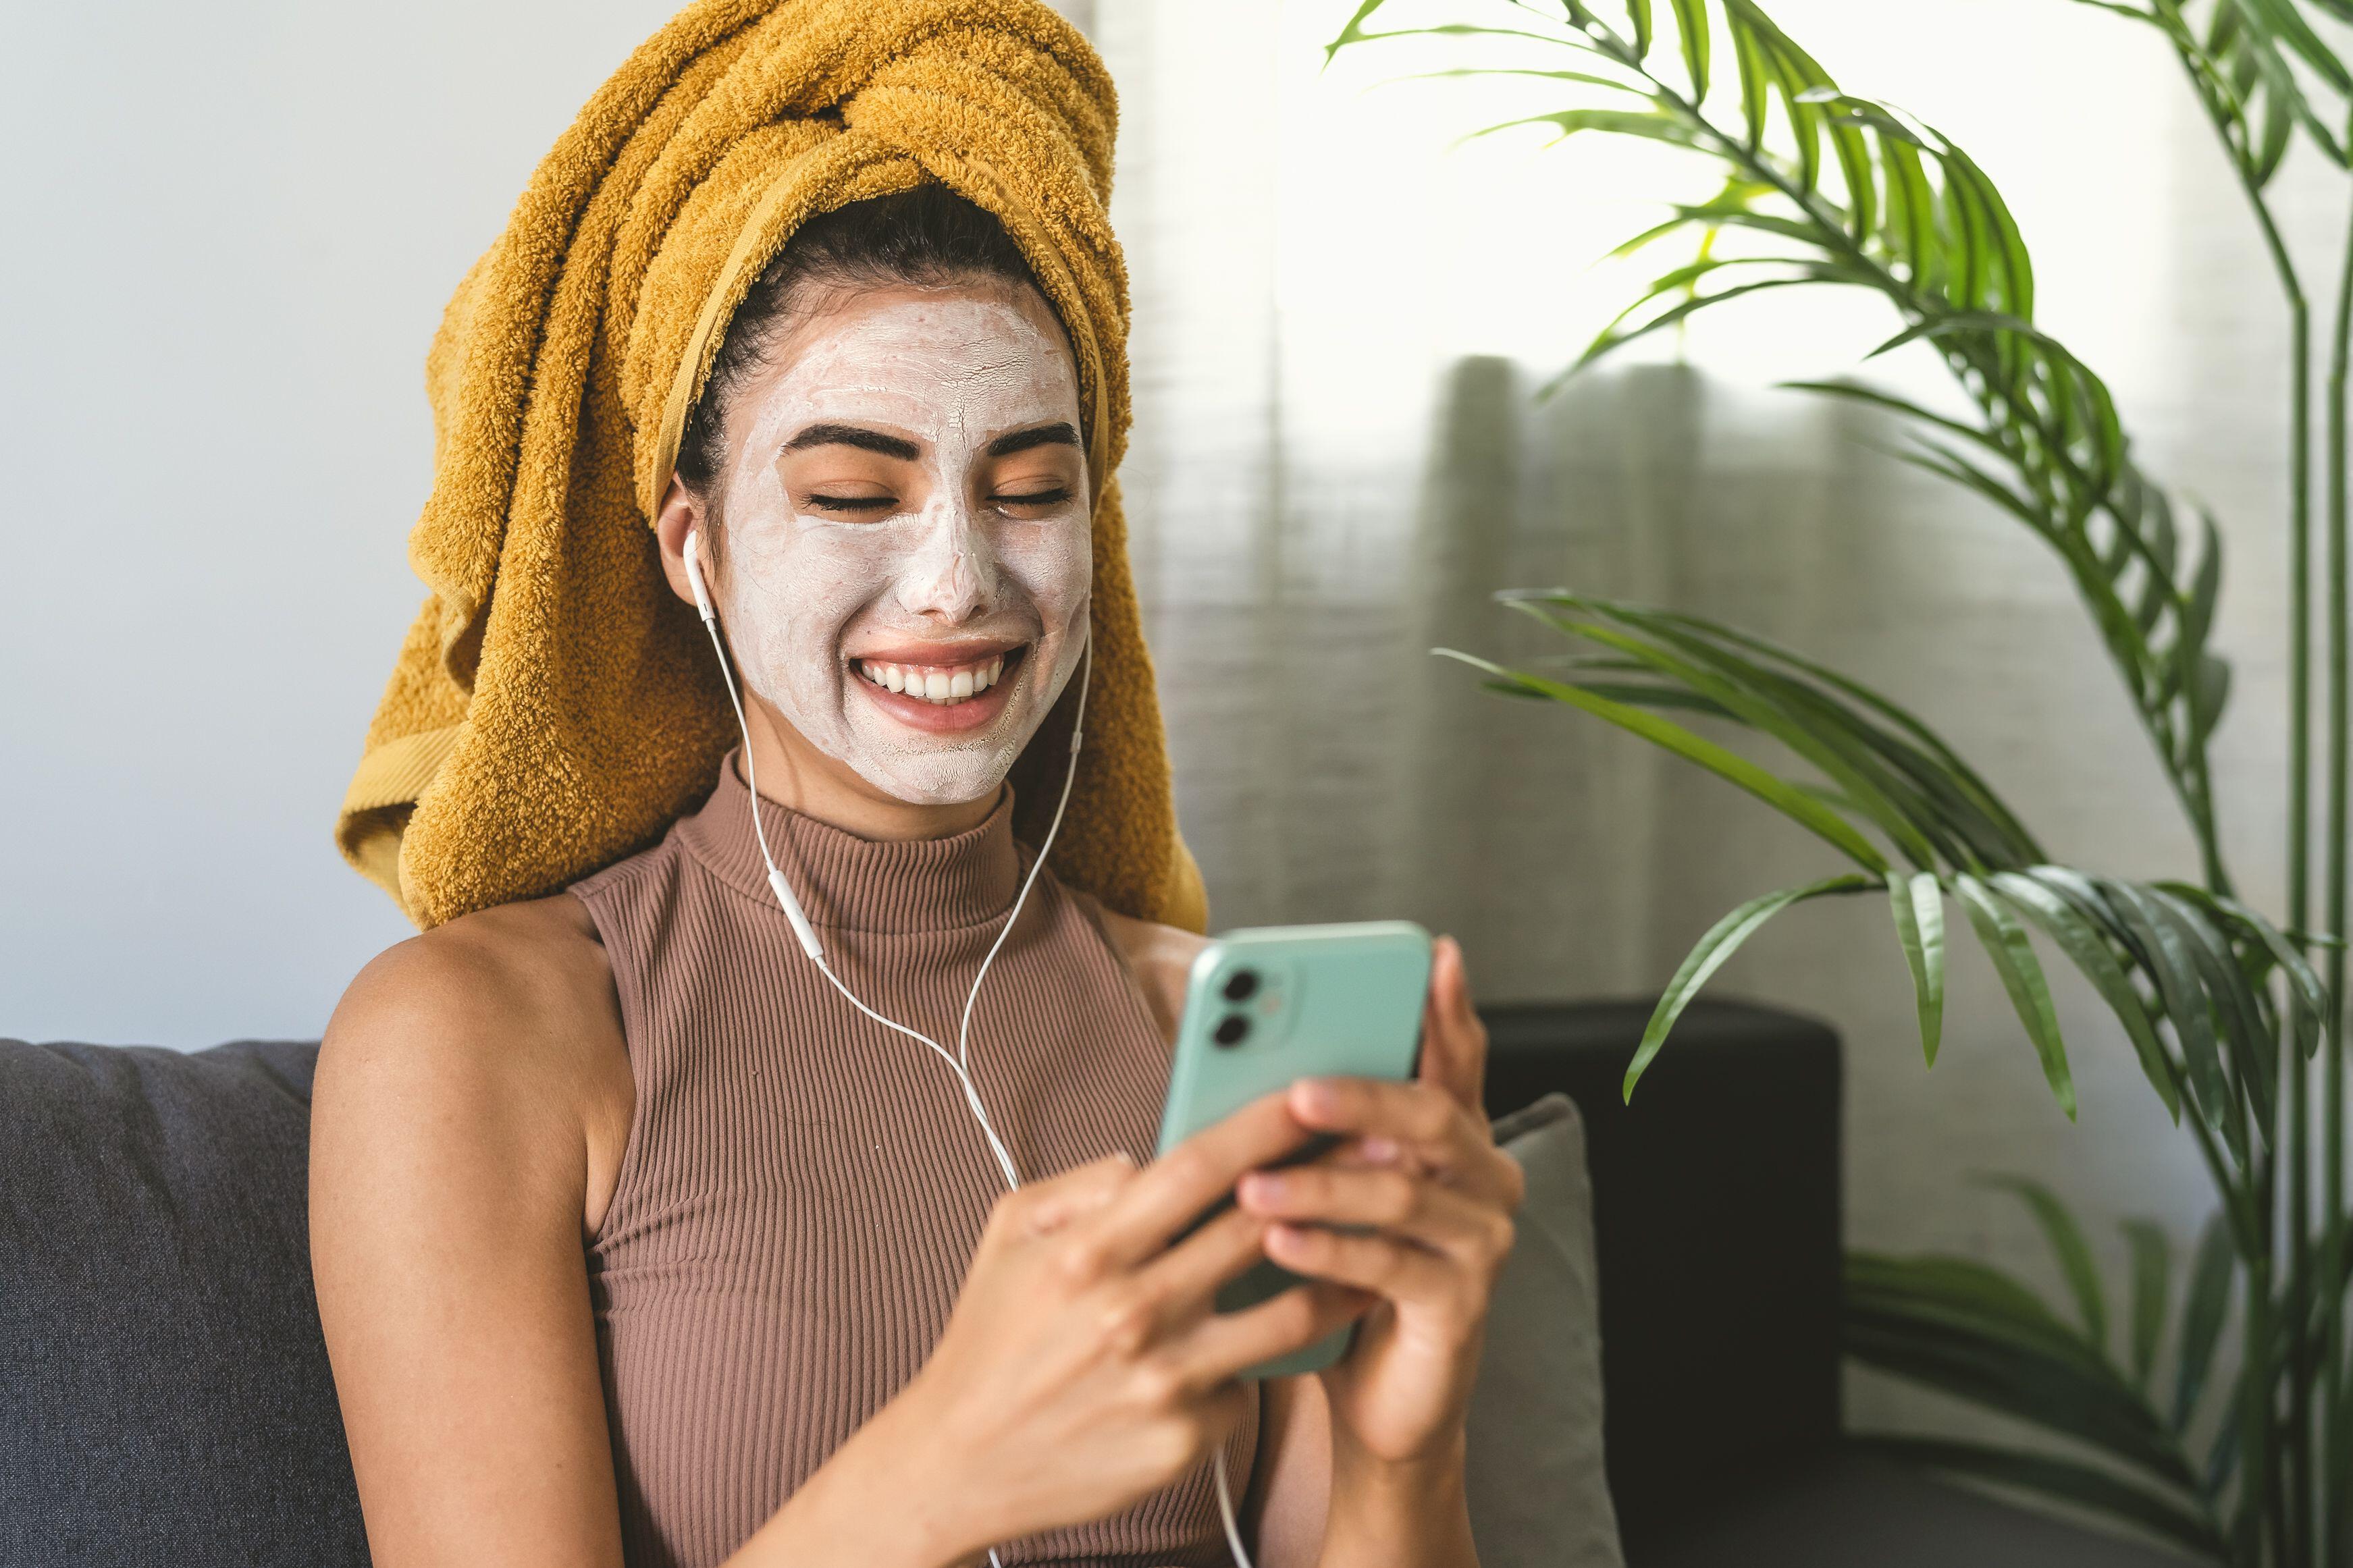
column 854, row 435
column 1056, row 435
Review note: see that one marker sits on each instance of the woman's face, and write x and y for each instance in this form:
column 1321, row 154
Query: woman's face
column 906, row 545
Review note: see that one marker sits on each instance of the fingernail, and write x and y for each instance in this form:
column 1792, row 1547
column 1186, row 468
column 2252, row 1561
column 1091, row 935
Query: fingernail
column 1283, row 1238
column 1314, row 1095
column 1261, row 1187
column 1377, row 1151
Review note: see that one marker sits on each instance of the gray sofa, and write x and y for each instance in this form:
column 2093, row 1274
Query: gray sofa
column 165, row 1399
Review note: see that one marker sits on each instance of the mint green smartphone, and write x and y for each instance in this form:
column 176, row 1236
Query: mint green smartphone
column 1266, row 1007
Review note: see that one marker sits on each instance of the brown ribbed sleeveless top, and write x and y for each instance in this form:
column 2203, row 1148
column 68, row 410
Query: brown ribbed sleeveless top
column 803, row 1188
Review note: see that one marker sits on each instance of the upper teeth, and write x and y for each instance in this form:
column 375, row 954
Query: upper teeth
column 939, row 683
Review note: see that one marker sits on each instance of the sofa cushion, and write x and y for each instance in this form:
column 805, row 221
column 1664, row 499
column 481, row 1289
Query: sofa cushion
column 1538, row 1492
column 164, row 1393
column 164, row 1396
column 1716, row 1228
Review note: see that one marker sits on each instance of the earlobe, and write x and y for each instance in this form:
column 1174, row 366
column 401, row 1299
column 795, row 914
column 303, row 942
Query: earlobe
column 682, row 515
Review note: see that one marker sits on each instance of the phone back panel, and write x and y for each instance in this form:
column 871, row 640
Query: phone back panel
column 1341, row 1001
column 1267, row 1007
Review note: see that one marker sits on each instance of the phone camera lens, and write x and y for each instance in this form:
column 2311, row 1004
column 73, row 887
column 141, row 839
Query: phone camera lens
column 1232, row 1028
column 1242, row 986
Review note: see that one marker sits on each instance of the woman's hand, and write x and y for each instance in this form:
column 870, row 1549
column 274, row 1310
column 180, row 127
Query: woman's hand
column 1084, row 1368
column 1430, row 1199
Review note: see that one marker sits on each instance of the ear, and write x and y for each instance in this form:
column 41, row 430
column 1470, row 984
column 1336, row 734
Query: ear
column 682, row 512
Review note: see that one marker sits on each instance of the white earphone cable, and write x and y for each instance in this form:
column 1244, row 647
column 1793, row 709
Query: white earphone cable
column 1226, row 1511
column 816, row 956
column 1070, row 777
column 960, row 1063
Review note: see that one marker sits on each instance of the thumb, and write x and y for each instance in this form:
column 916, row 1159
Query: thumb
column 1453, row 1041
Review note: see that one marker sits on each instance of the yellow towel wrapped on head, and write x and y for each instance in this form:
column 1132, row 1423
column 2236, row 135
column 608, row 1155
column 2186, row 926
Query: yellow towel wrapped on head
column 554, row 707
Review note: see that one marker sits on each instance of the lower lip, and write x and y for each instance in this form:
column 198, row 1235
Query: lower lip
column 943, row 719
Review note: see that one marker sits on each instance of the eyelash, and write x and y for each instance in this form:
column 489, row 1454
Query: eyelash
column 871, row 504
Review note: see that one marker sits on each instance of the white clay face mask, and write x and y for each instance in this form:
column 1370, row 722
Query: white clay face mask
column 912, row 612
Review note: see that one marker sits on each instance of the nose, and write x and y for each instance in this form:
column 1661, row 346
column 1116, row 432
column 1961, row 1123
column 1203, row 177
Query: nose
column 952, row 574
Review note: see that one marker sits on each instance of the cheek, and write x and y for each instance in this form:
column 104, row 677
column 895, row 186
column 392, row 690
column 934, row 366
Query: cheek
column 806, row 580
column 792, row 598
column 1055, row 566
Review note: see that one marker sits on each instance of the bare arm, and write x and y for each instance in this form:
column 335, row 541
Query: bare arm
column 470, row 1111
column 452, row 1132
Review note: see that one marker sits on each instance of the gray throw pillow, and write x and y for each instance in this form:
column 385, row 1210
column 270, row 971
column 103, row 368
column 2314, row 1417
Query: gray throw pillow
column 1538, row 1494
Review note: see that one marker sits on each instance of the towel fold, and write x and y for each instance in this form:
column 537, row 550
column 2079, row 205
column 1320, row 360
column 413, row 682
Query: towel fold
column 554, row 707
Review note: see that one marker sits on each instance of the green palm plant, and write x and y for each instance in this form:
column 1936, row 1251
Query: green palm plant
column 2230, row 1020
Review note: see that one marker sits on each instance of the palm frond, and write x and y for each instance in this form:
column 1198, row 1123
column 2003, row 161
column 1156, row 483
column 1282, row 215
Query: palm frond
column 1969, row 1329
column 2186, row 973
column 1838, row 190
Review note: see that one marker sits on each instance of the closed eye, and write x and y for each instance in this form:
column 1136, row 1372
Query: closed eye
column 1054, row 497
column 854, row 506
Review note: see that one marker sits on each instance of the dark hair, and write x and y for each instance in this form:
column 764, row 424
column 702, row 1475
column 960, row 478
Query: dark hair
column 927, row 236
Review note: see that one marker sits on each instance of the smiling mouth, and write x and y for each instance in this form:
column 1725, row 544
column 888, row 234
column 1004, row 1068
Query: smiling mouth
column 941, row 685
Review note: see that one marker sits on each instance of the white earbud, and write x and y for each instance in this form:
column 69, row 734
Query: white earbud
column 692, row 551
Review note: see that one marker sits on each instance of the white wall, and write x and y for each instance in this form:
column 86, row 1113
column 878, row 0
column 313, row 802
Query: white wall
column 231, row 230
column 232, row 227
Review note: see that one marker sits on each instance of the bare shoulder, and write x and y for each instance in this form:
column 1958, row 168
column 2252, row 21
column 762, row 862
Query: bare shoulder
column 1159, row 956
column 501, row 1024
column 508, row 993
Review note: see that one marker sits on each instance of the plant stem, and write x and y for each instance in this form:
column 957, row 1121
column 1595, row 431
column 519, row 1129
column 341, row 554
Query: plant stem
column 2319, row 1516
column 2256, row 1500
column 2332, row 1249
column 2293, row 1139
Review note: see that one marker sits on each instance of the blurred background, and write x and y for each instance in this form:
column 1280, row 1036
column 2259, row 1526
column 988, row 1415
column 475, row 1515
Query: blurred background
column 237, row 225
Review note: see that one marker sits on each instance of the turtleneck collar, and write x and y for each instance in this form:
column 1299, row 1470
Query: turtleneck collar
column 849, row 883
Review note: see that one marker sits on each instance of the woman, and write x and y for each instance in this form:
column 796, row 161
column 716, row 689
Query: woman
column 638, row 1235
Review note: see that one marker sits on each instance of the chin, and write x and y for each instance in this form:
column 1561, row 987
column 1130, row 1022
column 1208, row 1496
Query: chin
column 948, row 780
